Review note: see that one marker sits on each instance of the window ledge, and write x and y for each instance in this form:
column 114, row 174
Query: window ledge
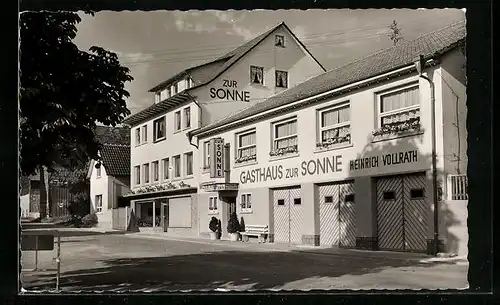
column 185, row 128
column 178, row 131
column 187, row 177
column 213, row 212
column 332, row 147
column 247, row 211
column 287, row 156
column 159, row 140
column 388, row 137
column 243, row 164
column 177, row 179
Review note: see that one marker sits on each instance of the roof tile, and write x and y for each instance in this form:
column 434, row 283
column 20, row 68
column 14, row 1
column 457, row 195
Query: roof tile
column 116, row 159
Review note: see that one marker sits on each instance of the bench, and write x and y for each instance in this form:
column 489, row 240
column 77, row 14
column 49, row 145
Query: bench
column 260, row 231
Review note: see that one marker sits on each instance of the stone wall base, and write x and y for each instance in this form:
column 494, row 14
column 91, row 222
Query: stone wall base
column 367, row 243
column 431, row 249
column 312, row 240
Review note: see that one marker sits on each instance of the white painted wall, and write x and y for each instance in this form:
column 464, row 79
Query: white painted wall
column 101, row 186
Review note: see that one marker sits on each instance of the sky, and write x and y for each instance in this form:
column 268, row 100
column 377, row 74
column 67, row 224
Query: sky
column 155, row 45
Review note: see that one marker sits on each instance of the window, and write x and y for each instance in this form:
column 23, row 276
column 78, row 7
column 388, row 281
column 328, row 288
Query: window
column 212, row 204
column 137, row 174
column 246, row 145
column 98, row 203
column 328, row 199
column 146, row 172
column 256, row 75
column 176, row 88
column 189, row 163
column 137, row 136
column 285, row 134
column 246, row 202
column 166, row 169
column 349, row 198
column 297, row 201
column 206, row 155
column 177, row 121
column 280, row 41
column 177, row 166
column 281, row 201
column 98, row 171
column 169, row 91
column 334, row 125
column 144, row 133
column 157, row 97
column 281, row 79
column 187, row 117
column 417, row 194
column 156, row 174
column 159, row 129
column 400, row 107
column 457, row 187
column 389, row 195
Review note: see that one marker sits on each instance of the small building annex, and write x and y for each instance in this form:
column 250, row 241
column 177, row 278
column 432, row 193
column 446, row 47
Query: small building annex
column 346, row 158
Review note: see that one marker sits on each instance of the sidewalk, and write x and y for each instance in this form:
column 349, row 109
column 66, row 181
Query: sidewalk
column 317, row 250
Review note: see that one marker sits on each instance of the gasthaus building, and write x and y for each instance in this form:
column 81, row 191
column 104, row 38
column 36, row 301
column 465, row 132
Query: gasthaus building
column 346, row 158
column 165, row 162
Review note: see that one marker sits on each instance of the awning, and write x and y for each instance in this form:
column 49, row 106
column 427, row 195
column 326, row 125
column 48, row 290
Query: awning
column 158, row 194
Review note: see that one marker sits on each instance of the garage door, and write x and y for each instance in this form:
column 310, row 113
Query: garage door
column 287, row 216
column 337, row 214
column 402, row 211
column 179, row 212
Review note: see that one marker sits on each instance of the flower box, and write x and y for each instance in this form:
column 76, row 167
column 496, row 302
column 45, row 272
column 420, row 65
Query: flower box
column 334, row 141
column 245, row 159
column 284, row 151
column 398, row 128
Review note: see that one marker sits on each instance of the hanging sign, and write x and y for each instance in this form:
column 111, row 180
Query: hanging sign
column 217, row 158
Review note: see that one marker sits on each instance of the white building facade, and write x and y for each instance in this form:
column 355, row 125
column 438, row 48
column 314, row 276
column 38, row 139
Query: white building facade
column 346, row 158
column 165, row 164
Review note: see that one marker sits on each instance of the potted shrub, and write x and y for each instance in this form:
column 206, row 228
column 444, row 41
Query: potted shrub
column 233, row 227
column 214, row 228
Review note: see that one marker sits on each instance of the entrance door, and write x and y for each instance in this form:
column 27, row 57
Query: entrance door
column 337, row 214
column 402, row 212
column 287, row 216
column 164, row 216
column 231, row 208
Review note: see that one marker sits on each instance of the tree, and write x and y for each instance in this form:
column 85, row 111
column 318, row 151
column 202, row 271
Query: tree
column 396, row 33
column 64, row 93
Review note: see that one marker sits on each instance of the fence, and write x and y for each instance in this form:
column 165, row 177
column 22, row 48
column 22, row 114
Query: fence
column 457, row 187
column 120, row 218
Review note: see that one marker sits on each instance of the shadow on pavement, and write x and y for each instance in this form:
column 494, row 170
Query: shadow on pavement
column 240, row 270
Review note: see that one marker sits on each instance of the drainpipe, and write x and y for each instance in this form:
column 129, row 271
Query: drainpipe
column 420, row 65
column 189, row 135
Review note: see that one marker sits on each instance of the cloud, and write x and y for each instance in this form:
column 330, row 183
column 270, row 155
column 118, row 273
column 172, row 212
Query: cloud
column 233, row 19
column 300, row 32
column 190, row 21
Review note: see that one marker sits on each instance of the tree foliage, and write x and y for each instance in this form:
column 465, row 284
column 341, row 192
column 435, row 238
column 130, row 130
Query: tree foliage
column 396, row 33
column 64, row 93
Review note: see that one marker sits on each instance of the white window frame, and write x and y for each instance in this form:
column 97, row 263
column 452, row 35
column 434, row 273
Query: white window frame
column 138, row 136
column 176, row 88
column 244, row 203
column 206, row 154
column 260, row 69
column 186, row 164
column 166, row 169
column 276, row 40
column 186, row 118
column 380, row 97
column 146, row 175
column 137, row 175
column 177, row 120
column 240, row 148
column 98, row 207
column 213, row 208
column 144, row 130
column 156, row 123
column 276, row 79
column 179, row 157
column 156, row 171
column 334, row 126
column 158, row 97
column 98, row 172
column 282, row 122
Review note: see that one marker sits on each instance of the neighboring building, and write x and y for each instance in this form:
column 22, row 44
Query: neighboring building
column 164, row 162
column 109, row 179
column 345, row 158
column 29, row 196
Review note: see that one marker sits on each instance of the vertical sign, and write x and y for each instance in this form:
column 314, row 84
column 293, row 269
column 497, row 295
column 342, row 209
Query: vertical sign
column 217, row 158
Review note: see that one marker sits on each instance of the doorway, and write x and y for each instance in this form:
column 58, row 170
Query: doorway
column 164, row 215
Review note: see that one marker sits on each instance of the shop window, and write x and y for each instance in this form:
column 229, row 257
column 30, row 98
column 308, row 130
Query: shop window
column 281, row 201
column 417, row 193
column 349, row 198
column 256, row 75
column 296, row 201
column 389, row 195
column 328, row 199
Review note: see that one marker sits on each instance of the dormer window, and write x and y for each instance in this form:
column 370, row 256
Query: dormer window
column 256, row 75
column 157, row 97
column 176, row 88
column 280, row 41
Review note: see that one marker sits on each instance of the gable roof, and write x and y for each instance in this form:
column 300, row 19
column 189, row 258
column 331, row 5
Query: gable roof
column 116, row 159
column 205, row 73
column 384, row 61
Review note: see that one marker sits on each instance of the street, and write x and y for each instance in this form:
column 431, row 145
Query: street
column 125, row 263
